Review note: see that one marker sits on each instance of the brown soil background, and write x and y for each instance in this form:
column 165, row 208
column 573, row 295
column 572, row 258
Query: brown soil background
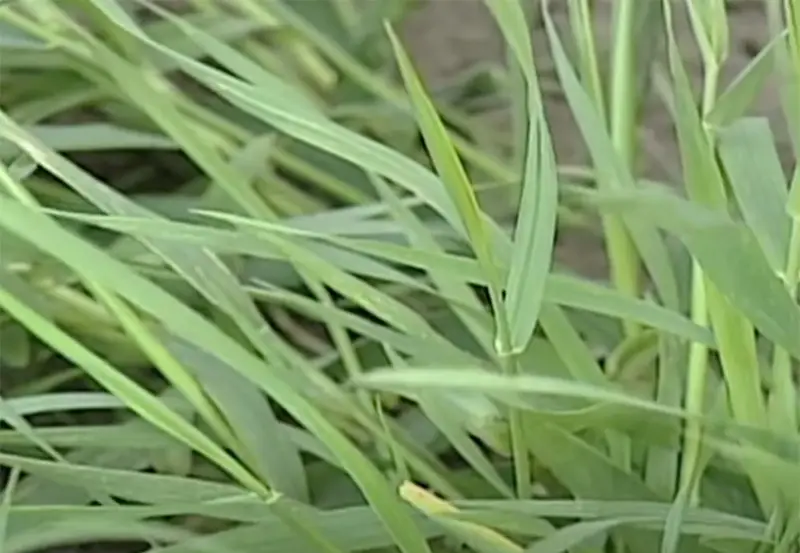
column 447, row 37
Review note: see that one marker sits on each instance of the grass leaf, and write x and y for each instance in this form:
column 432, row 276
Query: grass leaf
column 751, row 162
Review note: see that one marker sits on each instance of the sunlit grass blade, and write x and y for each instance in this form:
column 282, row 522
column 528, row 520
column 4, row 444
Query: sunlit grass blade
column 479, row 538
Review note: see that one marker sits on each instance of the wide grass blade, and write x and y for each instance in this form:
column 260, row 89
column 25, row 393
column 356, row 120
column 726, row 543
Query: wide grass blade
column 508, row 387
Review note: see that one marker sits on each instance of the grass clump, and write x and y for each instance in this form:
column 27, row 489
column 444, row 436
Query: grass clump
column 335, row 323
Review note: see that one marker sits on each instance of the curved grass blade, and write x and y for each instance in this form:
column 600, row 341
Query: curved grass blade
column 272, row 105
column 467, row 306
column 54, row 535
column 95, row 137
column 450, row 169
column 355, row 529
column 250, row 417
column 509, row 387
column 9, row 488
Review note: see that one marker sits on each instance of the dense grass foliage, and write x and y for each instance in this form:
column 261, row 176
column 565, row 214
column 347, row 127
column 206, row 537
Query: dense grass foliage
column 264, row 289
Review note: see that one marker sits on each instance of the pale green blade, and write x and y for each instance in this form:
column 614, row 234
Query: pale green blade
column 136, row 397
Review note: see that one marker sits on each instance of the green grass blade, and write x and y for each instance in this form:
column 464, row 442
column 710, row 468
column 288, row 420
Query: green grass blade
column 503, row 386
column 562, row 289
column 353, row 529
column 135, row 486
column 279, row 109
column 251, row 419
column 467, row 306
column 575, row 535
column 450, row 426
column 150, row 92
column 95, row 137
column 5, row 507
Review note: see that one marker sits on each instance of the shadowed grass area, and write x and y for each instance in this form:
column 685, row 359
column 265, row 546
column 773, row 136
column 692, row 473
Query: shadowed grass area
column 263, row 289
